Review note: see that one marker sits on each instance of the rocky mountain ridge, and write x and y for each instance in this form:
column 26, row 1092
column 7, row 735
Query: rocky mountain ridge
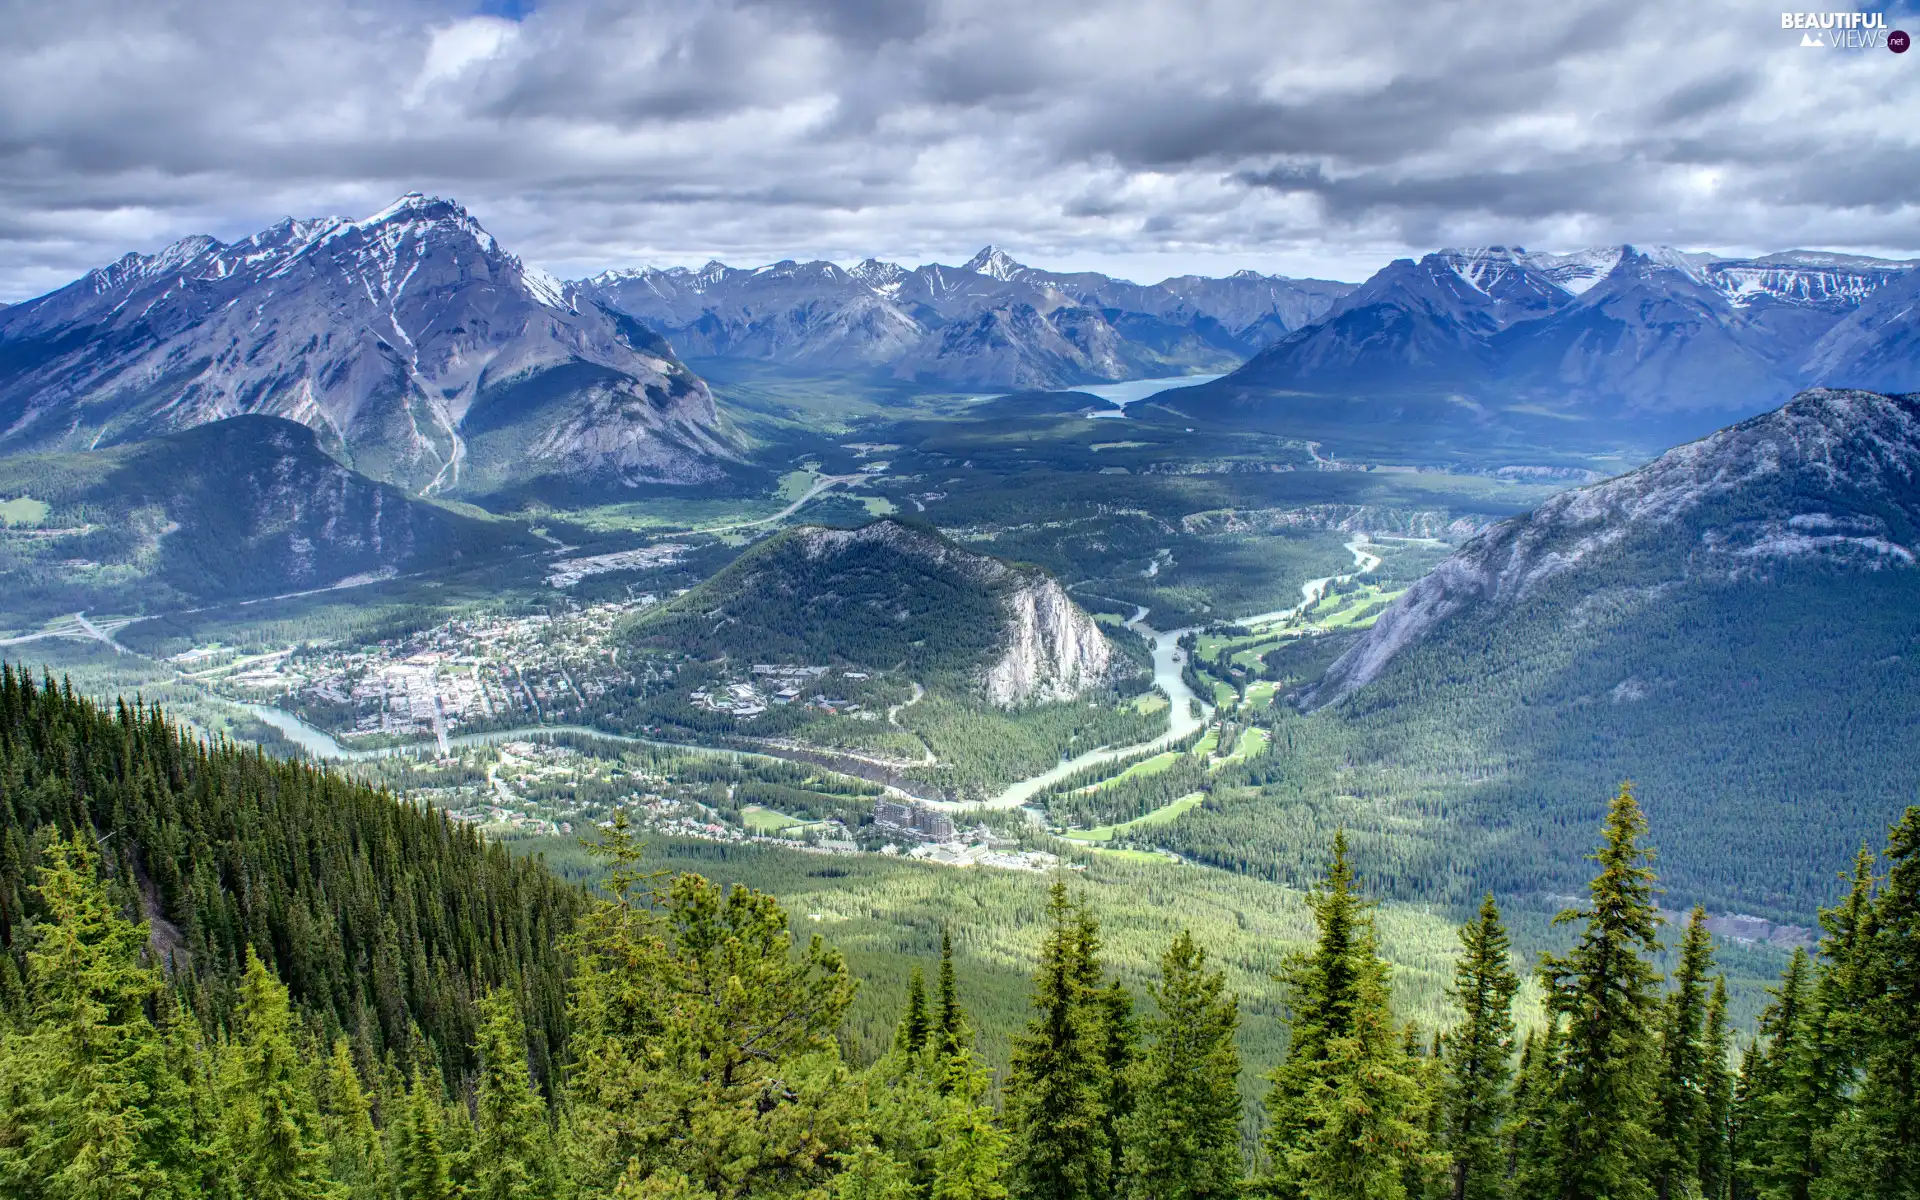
column 419, row 350
column 1832, row 477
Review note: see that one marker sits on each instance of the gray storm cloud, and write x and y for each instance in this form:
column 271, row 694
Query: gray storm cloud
column 1141, row 137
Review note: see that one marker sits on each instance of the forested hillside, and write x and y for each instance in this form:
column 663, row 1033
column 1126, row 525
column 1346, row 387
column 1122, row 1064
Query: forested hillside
column 892, row 594
column 248, row 506
column 1733, row 626
column 704, row 1056
column 386, row 922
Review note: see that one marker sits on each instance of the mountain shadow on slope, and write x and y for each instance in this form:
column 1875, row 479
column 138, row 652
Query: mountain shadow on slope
column 244, row 507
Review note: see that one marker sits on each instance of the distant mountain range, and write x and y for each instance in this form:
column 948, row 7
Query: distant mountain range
column 421, row 352
column 988, row 323
column 1630, row 344
column 1733, row 626
column 425, row 355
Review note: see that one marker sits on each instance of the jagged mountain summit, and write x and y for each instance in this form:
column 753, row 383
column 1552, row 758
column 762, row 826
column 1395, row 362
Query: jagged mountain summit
column 1734, row 627
column 419, row 350
column 1653, row 342
column 892, row 594
column 990, row 322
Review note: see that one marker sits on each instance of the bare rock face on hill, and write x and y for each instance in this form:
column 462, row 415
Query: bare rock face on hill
column 1054, row 650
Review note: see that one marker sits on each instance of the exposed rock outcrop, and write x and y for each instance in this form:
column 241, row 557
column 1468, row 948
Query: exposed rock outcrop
column 1054, row 650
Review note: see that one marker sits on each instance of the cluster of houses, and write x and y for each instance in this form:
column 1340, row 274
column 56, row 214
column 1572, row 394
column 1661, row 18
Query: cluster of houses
column 779, row 683
column 462, row 672
column 940, row 841
column 565, row 572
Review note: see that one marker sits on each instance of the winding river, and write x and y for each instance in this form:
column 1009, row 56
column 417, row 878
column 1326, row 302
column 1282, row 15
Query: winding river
column 1169, row 662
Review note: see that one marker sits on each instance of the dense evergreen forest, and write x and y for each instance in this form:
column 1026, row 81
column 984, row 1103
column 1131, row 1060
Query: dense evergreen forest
column 190, row 1006
column 386, row 922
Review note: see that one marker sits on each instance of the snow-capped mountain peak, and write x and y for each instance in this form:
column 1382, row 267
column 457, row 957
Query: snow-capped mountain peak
column 383, row 334
column 1484, row 268
column 995, row 262
column 883, row 277
column 1692, row 264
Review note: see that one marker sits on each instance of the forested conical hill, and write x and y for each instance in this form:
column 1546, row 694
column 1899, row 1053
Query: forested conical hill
column 893, row 594
column 387, row 922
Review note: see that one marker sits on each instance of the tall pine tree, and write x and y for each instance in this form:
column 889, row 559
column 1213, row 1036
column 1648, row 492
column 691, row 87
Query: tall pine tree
column 1321, row 988
column 80, row 1091
column 420, row 1161
column 1680, row 1096
column 971, row 1161
column 273, row 1122
column 1345, row 1110
column 356, row 1157
column 951, row 1033
column 1603, row 988
column 512, row 1152
column 1057, row 1088
column 1715, row 1169
column 1877, row 1146
column 1183, row 1139
column 1477, row 1064
column 910, row 1036
column 1366, row 1110
column 1777, row 1132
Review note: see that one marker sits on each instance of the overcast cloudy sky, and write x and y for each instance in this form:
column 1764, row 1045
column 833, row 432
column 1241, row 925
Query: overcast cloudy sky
column 1141, row 138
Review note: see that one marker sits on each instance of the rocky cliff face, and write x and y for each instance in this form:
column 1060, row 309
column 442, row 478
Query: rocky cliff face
column 420, row 351
column 1832, row 477
column 1054, row 650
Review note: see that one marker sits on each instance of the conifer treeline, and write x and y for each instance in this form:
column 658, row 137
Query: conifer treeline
column 386, row 922
column 702, row 1061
